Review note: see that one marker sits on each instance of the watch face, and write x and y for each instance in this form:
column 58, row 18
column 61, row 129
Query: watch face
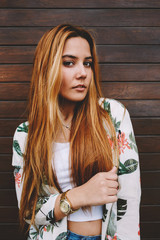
column 64, row 206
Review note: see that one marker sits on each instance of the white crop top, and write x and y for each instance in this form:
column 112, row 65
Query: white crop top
column 63, row 170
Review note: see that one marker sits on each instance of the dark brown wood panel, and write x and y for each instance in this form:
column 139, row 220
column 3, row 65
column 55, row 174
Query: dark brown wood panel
column 17, row 54
column 148, row 144
column 7, row 181
column 129, row 53
column 8, row 197
column 146, row 126
column 143, row 108
column 9, row 215
column 150, row 213
column 9, row 230
column 13, row 109
column 150, row 161
column 123, row 90
column 106, row 17
column 15, row 73
column 82, row 4
column 150, row 230
column 108, row 54
column 109, row 72
column 8, row 127
column 150, row 179
column 130, row 72
column 6, row 163
column 14, row 91
column 129, row 90
column 150, row 196
column 103, row 35
column 6, row 145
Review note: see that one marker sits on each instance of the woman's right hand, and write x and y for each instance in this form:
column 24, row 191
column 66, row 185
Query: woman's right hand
column 100, row 189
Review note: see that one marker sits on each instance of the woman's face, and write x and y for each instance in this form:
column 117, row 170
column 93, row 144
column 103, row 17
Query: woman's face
column 76, row 69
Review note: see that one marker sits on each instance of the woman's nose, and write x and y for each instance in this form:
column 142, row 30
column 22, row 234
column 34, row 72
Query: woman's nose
column 81, row 71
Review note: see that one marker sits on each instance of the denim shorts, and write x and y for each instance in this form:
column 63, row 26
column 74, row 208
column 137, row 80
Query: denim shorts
column 74, row 236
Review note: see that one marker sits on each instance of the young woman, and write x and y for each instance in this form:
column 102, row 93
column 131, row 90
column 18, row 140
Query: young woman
column 76, row 161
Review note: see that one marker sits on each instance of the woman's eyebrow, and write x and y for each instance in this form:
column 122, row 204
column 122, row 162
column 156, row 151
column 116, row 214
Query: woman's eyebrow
column 74, row 57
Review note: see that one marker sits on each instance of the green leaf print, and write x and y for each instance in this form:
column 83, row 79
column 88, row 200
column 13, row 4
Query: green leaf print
column 129, row 166
column 62, row 236
column 111, row 230
column 17, row 148
column 133, row 142
column 105, row 211
column 121, row 208
column 40, row 202
column 23, row 128
column 107, row 107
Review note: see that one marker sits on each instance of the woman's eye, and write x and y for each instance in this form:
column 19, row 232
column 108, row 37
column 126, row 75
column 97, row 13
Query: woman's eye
column 68, row 63
column 88, row 64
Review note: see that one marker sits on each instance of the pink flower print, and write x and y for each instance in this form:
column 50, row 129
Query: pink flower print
column 122, row 142
column 18, row 179
column 110, row 142
column 45, row 229
column 139, row 230
column 110, row 238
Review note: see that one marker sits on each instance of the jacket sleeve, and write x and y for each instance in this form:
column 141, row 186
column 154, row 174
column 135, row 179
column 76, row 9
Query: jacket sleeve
column 45, row 204
column 129, row 183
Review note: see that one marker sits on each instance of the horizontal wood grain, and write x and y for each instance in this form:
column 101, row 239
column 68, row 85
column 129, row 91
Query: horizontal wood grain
column 150, row 213
column 106, row 53
column 8, row 198
column 148, row 162
column 86, row 17
column 12, row 109
column 109, row 72
column 9, row 126
column 123, row 90
column 150, row 231
column 130, row 72
column 146, row 126
column 6, row 163
column 120, row 90
column 128, row 53
column 82, row 4
column 15, row 73
column 14, row 91
column 150, row 197
column 102, row 35
column 150, row 179
column 148, row 144
column 142, row 108
column 10, row 230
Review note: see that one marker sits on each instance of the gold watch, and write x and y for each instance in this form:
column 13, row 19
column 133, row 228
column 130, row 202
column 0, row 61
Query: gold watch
column 65, row 204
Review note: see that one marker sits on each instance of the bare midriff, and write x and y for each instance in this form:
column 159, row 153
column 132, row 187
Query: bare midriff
column 89, row 228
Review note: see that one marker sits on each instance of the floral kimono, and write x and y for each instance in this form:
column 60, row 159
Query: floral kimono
column 120, row 219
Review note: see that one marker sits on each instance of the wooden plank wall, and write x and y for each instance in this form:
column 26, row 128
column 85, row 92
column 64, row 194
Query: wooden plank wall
column 128, row 38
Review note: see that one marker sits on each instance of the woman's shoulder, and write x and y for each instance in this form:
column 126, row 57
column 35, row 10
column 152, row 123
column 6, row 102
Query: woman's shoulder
column 114, row 108
column 19, row 143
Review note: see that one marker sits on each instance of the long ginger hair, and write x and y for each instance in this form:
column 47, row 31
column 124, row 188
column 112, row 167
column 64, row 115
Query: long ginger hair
column 90, row 149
